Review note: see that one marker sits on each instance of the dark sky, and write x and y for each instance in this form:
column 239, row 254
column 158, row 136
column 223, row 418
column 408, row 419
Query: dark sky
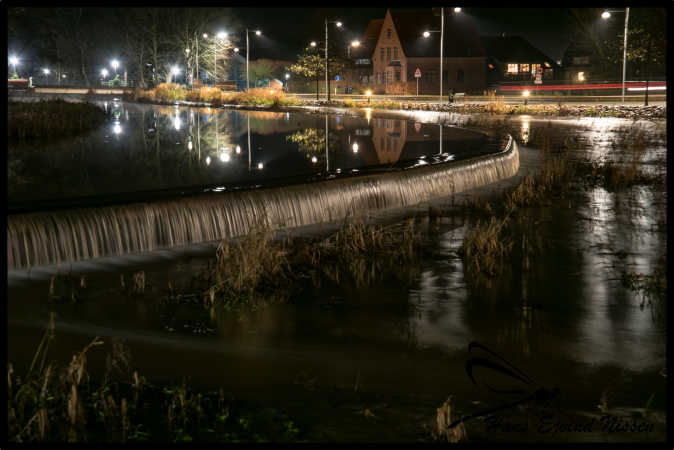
column 288, row 30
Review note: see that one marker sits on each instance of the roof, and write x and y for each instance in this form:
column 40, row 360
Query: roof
column 461, row 38
column 369, row 39
column 514, row 49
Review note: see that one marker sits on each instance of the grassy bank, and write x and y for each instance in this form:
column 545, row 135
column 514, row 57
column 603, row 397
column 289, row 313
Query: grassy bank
column 171, row 92
column 62, row 402
column 50, row 119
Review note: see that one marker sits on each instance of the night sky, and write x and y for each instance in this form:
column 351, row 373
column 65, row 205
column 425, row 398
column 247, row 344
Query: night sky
column 288, row 30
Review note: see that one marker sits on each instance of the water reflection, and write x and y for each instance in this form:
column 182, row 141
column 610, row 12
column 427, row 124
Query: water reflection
column 146, row 148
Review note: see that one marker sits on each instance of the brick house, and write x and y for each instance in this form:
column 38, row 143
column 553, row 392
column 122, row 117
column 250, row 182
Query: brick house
column 513, row 58
column 401, row 49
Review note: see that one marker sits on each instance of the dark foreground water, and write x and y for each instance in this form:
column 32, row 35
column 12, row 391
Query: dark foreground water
column 374, row 363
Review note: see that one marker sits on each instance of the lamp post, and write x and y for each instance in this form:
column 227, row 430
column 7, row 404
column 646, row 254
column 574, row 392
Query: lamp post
column 115, row 65
column 427, row 33
column 287, row 78
column 174, row 71
column 605, row 15
column 257, row 33
column 327, row 76
column 221, row 35
column 45, row 71
column 13, row 60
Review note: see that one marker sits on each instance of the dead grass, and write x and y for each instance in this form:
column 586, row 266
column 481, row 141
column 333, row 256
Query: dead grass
column 50, row 119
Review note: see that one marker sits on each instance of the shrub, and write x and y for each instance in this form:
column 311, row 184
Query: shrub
column 170, row 92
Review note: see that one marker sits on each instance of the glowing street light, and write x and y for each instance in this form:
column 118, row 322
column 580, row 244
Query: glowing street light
column 327, row 77
column 260, row 166
column 14, row 61
column 339, row 24
column 427, row 33
column 313, row 43
column 355, row 147
column 368, row 93
column 605, row 15
column 205, row 35
column 355, row 43
column 238, row 149
column 175, row 71
column 222, row 35
column 104, row 73
column 45, row 71
column 115, row 65
column 236, row 49
column 257, row 33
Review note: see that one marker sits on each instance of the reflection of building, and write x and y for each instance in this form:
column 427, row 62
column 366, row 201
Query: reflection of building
column 388, row 136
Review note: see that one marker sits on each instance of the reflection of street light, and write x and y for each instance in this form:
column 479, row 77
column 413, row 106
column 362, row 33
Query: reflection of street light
column 313, row 43
column 525, row 94
column 260, row 166
column 355, row 147
column 457, row 10
column 208, row 160
column 258, row 33
column 606, row 15
column 368, row 93
column 314, row 159
column 238, row 149
column 117, row 129
column 236, row 49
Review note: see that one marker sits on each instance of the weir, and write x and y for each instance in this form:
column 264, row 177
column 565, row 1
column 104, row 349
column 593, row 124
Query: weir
column 54, row 237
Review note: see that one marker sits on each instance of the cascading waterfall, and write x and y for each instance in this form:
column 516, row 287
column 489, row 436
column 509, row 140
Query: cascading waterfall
column 41, row 238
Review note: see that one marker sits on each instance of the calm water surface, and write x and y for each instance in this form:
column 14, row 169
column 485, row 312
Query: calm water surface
column 396, row 347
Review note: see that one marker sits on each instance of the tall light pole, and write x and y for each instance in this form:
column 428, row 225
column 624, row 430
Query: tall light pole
column 221, row 35
column 327, row 76
column 257, row 33
column 115, row 65
column 606, row 15
column 442, row 40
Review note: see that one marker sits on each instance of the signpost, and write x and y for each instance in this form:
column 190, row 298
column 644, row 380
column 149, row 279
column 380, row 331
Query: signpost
column 417, row 75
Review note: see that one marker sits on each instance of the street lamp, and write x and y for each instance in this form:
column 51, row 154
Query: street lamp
column 115, row 65
column 175, row 71
column 104, row 73
column 327, row 76
column 257, row 33
column 605, row 15
column 355, row 43
column 427, row 33
column 13, row 60
column 287, row 78
column 313, row 43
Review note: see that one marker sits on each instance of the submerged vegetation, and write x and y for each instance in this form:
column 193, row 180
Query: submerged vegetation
column 50, row 119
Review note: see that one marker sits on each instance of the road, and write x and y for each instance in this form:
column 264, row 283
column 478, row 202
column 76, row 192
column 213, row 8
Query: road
column 653, row 99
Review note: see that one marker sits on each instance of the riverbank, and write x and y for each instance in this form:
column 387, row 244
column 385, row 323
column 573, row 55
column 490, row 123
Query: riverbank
column 50, row 119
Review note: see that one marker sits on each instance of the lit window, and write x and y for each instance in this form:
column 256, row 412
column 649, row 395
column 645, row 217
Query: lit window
column 581, row 76
column 547, row 64
column 512, row 68
column 491, row 66
column 524, row 68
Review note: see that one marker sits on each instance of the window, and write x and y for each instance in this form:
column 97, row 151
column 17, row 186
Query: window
column 512, row 68
column 547, row 64
column 388, row 53
column 395, row 52
column 459, row 75
column 382, row 53
column 378, row 77
column 534, row 68
column 388, row 33
column 524, row 68
column 581, row 76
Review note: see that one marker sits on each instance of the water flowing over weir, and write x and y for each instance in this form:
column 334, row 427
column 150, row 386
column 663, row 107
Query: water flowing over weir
column 43, row 238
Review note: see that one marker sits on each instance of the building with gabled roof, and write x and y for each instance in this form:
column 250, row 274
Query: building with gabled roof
column 513, row 58
column 401, row 49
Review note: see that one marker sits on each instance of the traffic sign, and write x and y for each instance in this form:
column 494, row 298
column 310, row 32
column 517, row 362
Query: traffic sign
column 337, row 77
column 417, row 73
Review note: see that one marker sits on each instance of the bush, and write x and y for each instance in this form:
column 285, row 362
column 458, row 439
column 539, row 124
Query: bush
column 170, row 92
